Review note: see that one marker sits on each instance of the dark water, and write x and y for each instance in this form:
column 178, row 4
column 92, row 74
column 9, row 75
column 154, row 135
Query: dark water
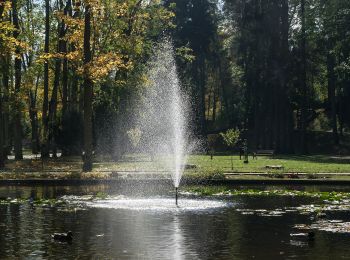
column 107, row 233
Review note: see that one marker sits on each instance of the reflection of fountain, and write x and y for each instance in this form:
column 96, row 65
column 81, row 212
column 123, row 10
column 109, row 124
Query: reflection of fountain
column 164, row 112
column 176, row 194
column 178, row 239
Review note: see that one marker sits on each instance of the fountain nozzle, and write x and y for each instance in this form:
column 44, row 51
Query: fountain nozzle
column 176, row 189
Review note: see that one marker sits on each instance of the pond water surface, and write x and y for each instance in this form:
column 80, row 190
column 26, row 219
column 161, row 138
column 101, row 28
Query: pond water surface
column 142, row 223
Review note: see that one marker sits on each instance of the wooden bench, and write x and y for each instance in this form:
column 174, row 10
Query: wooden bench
column 263, row 152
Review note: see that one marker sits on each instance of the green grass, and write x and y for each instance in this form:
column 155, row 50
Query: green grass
column 291, row 164
column 222, row 163
column 207, row 168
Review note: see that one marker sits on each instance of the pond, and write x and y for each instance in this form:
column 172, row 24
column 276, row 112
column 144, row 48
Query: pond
column 142, row 223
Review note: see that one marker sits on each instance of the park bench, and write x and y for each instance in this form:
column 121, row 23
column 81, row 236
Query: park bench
column 263, row 152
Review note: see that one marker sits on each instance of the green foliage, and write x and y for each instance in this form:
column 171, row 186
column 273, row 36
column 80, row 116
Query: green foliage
column 101, row 195
column 231, row 137
column 228, row 191
column 239, row 70
column 185, row 53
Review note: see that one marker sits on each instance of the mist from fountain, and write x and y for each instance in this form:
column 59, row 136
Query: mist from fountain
column 164, row 113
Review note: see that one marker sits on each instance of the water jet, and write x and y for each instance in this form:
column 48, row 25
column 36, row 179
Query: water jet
column 164, row 115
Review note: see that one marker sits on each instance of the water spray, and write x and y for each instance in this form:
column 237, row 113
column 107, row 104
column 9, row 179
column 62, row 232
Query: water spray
column 176, row 196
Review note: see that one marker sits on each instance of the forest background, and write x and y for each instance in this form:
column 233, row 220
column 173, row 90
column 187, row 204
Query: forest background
column 71, row 72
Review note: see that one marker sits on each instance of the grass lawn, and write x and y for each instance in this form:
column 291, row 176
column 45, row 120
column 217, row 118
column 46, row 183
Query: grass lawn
column 290, row 163
column 71, row 167
column 222, row 163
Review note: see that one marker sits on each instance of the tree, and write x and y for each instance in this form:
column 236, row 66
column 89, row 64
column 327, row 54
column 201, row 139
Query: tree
column 196, row 31
column 44, row 147
column 2, row 152
column 231, row 137
column 7, row 47
column 88, row 90
column 17, row 106
column 303, row 80
column 32, row 70
column 262, row 51
column 52, row 138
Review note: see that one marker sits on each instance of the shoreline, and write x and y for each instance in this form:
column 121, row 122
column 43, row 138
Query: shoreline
column 184, row 182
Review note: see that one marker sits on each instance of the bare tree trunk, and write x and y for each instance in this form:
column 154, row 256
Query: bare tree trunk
column 215, row 96
column 5, row 105
column 52, row 109
column 45, row 148
column 199, row 93
column 64, row 86
column 303, row 116
column 208, row 104
column 331, row 77
column 285, row 113
column 67, row 11
column 63, row 50
column 33, row 114
column 88, row 92
column 74, row 99
column 52, row 142
column 73, row 96
column 18, row 113
column 2, row 152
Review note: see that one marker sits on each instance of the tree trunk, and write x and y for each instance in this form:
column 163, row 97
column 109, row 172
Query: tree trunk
column 331, row 78
column 52, row 110
column 52, row 142
column 74, row 100
column 5, row 104
column 217, row 81
column 17, row 114
column 73, row 95
column 208, row 105
column 34, row 125
column 88, row 88
column 65, row 61
column 67, row 11
column 199, row 93
column 64, row 86
column 303, row 78
column 33, row 114
column 285, row 113
column 224, row 102
column 2, row 152
column 45, row 148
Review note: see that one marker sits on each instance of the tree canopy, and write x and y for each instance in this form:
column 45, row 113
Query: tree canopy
column 71, row 71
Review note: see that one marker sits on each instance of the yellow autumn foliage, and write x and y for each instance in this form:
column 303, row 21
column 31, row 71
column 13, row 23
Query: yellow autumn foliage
column 8, row 43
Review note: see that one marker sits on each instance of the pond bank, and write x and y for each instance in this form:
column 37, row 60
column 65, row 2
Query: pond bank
column 186, row 181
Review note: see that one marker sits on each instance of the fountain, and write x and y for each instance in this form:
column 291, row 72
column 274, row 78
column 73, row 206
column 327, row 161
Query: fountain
column 164, row 112
column 160, row 128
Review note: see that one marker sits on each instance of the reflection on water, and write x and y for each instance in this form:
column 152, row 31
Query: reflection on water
column 121, row 228
column 159, row 204
column 177, row 240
